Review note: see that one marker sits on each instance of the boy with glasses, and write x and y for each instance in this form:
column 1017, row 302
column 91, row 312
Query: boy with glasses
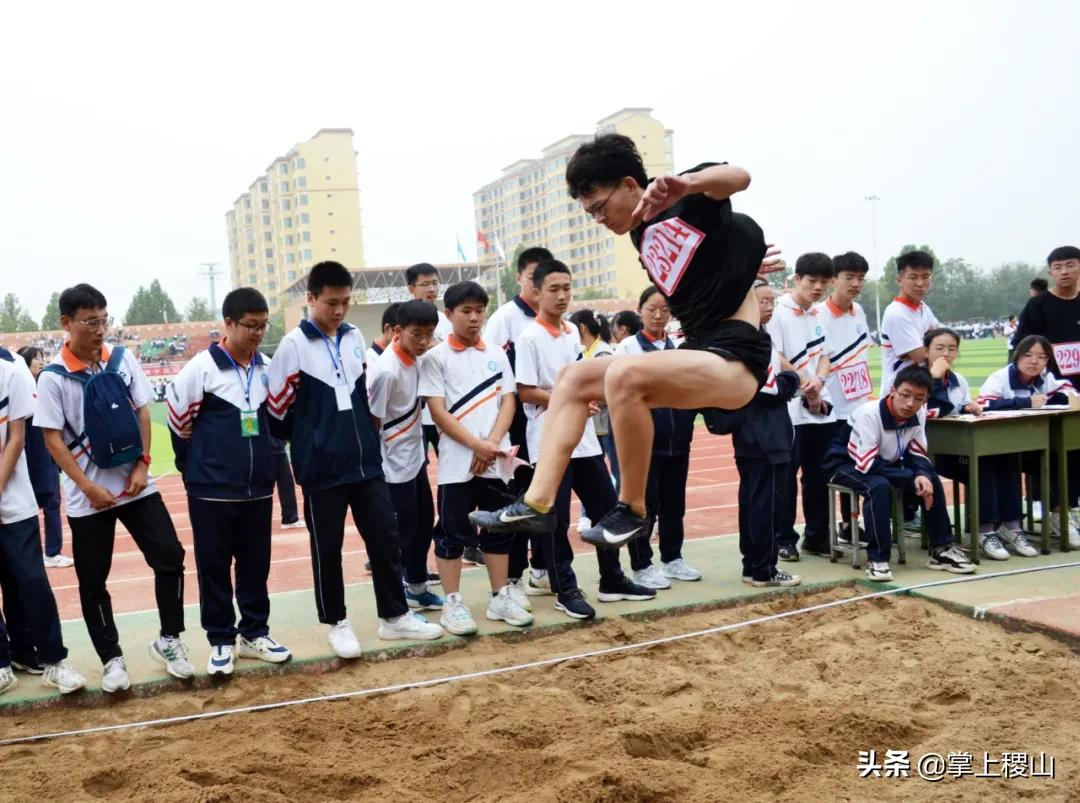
column 1055, row 314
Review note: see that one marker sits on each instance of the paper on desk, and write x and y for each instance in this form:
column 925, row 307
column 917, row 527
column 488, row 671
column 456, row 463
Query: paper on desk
column 508, row 463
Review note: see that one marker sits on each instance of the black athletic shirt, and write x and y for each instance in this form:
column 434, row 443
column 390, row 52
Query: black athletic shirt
column 703, row 257
column 1058, row 321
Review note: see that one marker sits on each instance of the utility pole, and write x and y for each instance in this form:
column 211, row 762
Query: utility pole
column 211, row 273
column 873, row 199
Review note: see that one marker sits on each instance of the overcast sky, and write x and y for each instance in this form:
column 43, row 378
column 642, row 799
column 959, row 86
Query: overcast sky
column 129, row 132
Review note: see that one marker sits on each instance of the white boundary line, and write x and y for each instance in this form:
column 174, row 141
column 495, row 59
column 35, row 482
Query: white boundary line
column 420, row 684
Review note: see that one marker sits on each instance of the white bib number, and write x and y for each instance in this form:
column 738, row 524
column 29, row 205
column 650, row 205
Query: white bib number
column 855, row 381
column 1067, row 356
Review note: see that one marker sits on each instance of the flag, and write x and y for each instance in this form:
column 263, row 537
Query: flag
column 461, row 251
column 480, row 238
column 499, row 249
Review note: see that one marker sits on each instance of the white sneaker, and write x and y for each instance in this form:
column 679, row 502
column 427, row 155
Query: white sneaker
column 58, row 562
column 879, row 571
column 1055, row 531
column 263, row 648
column 409, row 625
column 992, row 547
column 1017, row 541
column 651, row 577
column 1074, row 517
column 343, row 640
column 172, row 654
column 502, row 608
column 63, row 676
column 221, row 660
column 114, row 677
column 456, row 617
column 584, row 523
column 295, row 525
column 537, row 586
column 7, row 679
column 679, row 569
column 517, row 591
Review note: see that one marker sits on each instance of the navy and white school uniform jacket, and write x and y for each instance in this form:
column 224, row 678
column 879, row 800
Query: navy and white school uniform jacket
column 319, row 402
column 879, row 444
column 1005, row 389
column 948, row 396
column 218, row 461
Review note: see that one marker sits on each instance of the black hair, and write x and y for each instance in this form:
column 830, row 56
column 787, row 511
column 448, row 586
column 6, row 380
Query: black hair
column 914, row 375
column 814, row 264
column 545, row 269
column 1061, row 253
column 629, row 320
column 1024, row 346
column 646, row 294
column 418, row 313
column 604, row 162
column 531, row 255
column 414, row 272
column 30, row 353
column 597, row 325
column 914, row 259
column 390, row 315
column 1040, row 284
column 241, row 301
column 928, row 338
column 851, row 261
column 81, row 296
column 328, row 274
column 463, row 292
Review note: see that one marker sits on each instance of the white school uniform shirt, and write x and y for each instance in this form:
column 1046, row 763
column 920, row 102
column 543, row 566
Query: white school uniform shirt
column 959, row 393
column 847, row 342
column 443, row 330
column 374, row 351
column 506, row 324
column 60, row 406
column 541, row 351
column 903, row 327
column 472, row 381
column 770, row 387
column 799, row 335
column 17, row 500
column 1005, row 384
column 870, row 439
column 393, row 396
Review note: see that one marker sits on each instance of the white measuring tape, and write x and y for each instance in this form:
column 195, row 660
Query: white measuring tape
column 640, row 645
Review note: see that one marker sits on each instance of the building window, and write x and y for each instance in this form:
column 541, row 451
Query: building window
column 283, row 169
column 268, row 236
column 265, row 204
column 264, row 187
column 303, row 200
column 288, row 239
column 283, row 186
column 305, row 217
column 251, row 263
column 251, row 248
column 247, row 203
column 269, row 254
column 307, row 253
column 299, row 163
column 289, row 258
column 253, row 278
column 266, row 220
column 305, row 236
column 301, row 182
column 271, row 285
column 285, row 205
column 291, row 275
column 288, row 222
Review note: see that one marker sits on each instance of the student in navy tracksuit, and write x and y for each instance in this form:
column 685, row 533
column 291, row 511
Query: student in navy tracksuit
column 318, row 399
column 669, row 464
column 221, row 438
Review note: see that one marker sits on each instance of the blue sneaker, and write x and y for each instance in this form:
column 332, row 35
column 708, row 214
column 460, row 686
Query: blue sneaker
column 424, row 601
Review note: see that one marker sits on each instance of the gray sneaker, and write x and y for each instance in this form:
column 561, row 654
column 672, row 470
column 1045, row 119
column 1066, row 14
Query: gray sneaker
column 1018, row 542
column 992, row 547
column 172, row 653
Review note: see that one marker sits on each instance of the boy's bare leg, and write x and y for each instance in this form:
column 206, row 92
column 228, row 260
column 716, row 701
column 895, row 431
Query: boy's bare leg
column 497, row 567
column 449, row 574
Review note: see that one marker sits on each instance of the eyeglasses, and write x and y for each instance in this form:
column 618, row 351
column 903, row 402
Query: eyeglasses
column 910, row 399
column 596, row 210
column 256, row 328
column 427, row 285
column 656, row 310
column 94, row 324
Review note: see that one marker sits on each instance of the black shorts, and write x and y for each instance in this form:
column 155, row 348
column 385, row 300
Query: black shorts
column 737, row 341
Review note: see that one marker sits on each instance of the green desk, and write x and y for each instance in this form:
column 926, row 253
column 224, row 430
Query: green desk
column 1064, row 437
column 970, row 437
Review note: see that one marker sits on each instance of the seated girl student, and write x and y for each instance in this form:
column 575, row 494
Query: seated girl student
column 999, row 477
column 1027, row 383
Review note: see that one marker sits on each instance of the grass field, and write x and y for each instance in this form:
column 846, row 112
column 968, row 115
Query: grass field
column 978, row 359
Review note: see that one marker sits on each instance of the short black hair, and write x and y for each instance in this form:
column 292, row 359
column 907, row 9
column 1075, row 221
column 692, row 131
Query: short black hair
column 629, row 320
column 604, row 162
column 545, row 269
column 928, row 338
column 1061, row 253
column 1024, row 346
column 914, row 375
column 914, row 259
column 851, row 261
column 414, row 272
column 531, row 255
column 814, row 264
column 1040, row 284
column 418, row 313
column 597, row 325
column 81, row 296
column 241, row 301
column 328, row 274
column 646, row 294
column 390, row 315
column 463, row 292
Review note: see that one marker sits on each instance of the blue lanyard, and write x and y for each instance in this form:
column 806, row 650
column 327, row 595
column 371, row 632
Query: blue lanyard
column 899, row 446
column 250, row 371
column 337, row 363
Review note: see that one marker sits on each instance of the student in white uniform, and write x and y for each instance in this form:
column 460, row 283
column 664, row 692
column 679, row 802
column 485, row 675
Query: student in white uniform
column 907, row 318
column 388, row 324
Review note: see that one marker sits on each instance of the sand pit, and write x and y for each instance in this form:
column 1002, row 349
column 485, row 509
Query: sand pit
column 776, row 711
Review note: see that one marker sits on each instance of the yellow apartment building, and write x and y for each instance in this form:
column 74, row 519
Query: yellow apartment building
column 529, row 205
column 304, row 209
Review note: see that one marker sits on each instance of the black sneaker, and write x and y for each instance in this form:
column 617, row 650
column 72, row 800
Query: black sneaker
column 30, row 664
column 843, row 536
column 434, row 579
column 367, row 565
column 949, row 558
column 821, row 550
column 788, row 553
column 780, row 579
column 573, row 604
column 473, row 555
column 618, row 527
column 514, row 518
column 624, row 589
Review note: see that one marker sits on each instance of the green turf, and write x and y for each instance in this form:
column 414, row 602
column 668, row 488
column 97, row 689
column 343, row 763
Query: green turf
column 161, row 451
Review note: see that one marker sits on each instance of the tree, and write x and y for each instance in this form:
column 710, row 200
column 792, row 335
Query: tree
column 199, row 310
column 51, row 319
column 151, row 305
column 14, row 318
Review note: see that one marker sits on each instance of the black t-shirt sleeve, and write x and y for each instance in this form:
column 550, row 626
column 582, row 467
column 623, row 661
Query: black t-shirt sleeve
column 1032, row 321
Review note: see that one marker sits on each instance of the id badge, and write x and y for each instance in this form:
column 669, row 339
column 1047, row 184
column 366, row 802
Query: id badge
column 344, row 397
column 249, row 423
